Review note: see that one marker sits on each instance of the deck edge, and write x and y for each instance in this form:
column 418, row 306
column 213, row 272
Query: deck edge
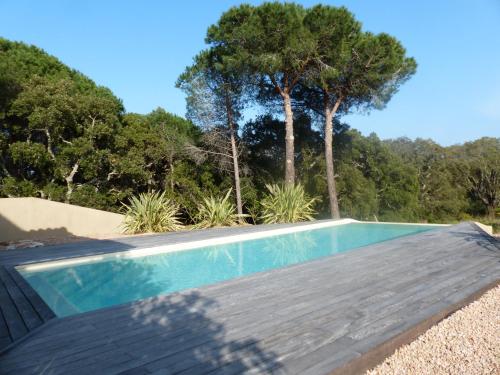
column 378, row 354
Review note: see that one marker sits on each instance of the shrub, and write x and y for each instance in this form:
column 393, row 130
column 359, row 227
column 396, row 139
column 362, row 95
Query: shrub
column 151, row 212
column 287, row 204
column 217, row 212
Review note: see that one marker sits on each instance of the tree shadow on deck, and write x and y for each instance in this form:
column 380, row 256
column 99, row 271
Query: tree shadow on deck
column 189, row 338
column 184, row 332
column 176, row 333
column 480, row 238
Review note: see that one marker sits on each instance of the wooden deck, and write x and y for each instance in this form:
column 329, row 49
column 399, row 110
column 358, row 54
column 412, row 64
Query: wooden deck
column 21, row 309
column 311, row 318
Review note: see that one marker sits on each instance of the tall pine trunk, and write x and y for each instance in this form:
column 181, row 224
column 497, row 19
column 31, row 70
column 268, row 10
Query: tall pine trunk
column 289, row 140
column 234, row 154
column 330, row 170
column 236, row 169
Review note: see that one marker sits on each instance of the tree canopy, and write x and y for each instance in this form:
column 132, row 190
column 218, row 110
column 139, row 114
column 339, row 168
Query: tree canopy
column 270, row 43
column 65, row 138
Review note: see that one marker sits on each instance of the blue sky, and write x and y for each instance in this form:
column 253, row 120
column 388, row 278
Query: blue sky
column 138, row 49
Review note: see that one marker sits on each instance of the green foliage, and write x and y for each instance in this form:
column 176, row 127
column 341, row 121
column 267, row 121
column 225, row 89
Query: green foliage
column 441, row 197
column 12, row 187
column 30, row 159
column 483, row 169
column 373, row 182
column 264, row 141
column 151, row 212
column 149, row 148
column 217, row 212
column 88, row 195
column 455, row 182
column 216, row 90
column 64, row 138
column 358, row 68
column 357, row 194
column 57, row 126
column 266, row 40
column 287, row 204
column 270, row 45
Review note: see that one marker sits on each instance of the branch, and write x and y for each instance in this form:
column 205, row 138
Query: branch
column 298, row 76
column 216, row 153
column 111, row 174
column 276, row 86
column 49, row 144
column 65, row 141
column 94, row 119
column 71, row 175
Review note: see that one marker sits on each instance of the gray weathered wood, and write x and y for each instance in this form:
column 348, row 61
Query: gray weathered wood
column 14, row 323
column 308, row 318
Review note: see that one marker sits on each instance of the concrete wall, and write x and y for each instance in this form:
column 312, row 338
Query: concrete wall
column 34, row 218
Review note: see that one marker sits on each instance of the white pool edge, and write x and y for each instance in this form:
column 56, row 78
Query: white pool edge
column 190, row 245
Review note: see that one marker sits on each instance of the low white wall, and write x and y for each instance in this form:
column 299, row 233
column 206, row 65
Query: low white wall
column 487, row 228
column 35, row 218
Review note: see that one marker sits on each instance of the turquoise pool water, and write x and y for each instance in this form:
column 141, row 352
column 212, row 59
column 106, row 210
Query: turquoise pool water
column 84, row 287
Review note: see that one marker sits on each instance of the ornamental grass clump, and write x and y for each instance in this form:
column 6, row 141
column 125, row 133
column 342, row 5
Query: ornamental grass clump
column 217, row 212
column 287, row 204
column 151, row 212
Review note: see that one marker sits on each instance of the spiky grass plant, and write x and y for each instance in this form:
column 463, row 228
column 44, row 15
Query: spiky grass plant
column 217, row 212
column 287, row 204
column 151, row 212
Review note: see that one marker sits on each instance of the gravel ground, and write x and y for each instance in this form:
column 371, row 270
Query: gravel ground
column 468, row 342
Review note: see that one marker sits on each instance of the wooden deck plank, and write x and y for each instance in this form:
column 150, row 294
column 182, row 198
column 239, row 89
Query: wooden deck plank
column 226, row 311
column 301, row 278
column 29, row 316
column 39, row 305
column 4, row 330
column 307, row 318
column 173, row 361
column 14, row 322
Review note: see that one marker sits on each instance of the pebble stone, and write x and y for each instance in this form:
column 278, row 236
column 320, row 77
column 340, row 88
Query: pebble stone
column 467, row 342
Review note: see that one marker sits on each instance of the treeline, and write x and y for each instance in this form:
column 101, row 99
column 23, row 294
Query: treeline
column 64, row 138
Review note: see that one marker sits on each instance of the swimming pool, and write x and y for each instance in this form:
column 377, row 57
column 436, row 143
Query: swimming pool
column 90, row 283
